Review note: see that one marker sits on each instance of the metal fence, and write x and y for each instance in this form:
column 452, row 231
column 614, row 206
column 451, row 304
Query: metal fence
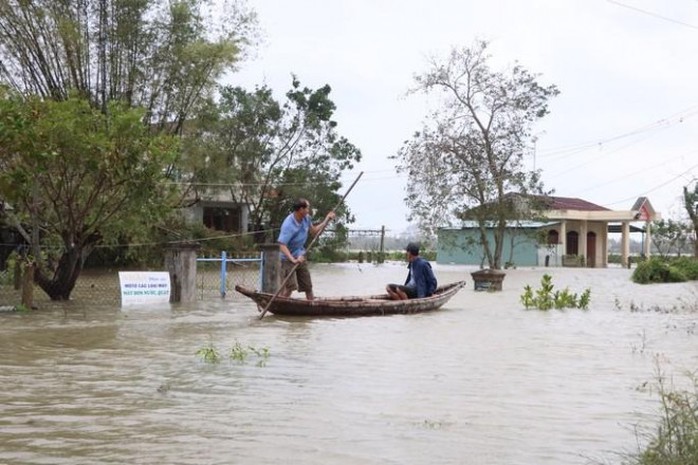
column 216, row 277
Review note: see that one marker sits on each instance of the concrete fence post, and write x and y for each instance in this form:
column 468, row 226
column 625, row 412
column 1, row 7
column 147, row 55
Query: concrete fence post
column 180, row 261
column 271, row 268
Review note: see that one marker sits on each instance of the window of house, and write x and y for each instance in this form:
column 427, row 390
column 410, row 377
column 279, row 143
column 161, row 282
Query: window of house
column 222, row 218
column 572, row 243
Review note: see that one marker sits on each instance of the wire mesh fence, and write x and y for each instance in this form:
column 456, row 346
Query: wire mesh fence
column 212, row 279
column 101, row 286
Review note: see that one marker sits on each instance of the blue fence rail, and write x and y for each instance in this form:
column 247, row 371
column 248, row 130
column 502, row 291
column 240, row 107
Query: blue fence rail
column 226, row 272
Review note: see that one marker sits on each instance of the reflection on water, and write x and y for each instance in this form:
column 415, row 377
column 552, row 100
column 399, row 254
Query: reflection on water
column 481, row 381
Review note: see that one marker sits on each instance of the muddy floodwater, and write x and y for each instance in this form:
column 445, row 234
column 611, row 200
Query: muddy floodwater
column 481, row 381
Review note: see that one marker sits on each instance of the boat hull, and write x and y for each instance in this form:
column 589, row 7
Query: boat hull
column 375, row 305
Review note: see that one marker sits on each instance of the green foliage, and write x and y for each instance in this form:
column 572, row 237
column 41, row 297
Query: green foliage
column 238, row 353
column 670, row 237
column 157, row 54
column 8, row 276
column 546, row 297
column 82, row 178
column 268, row 153
column 209, row 353
column 661, row 270
column 22, row 308
column 675, row 439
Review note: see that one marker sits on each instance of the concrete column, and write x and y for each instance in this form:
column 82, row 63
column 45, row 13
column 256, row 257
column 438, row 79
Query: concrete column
column 563, row 238
column 648, row 239
column 271, row 268
column 583, row 230
column 180, row 261
column 625, row 244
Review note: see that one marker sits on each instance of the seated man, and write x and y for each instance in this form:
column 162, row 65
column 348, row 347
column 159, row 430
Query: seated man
column 420, row 281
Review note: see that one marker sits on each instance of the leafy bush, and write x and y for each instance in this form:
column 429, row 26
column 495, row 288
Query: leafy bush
column 546, row 297
column 658, row 270
column 688, row 266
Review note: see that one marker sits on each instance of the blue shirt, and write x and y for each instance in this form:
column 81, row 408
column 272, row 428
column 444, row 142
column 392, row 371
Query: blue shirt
column 422, row 276
column 294, row 234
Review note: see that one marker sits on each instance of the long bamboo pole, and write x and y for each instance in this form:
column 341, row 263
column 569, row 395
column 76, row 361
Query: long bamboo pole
column 283, row 283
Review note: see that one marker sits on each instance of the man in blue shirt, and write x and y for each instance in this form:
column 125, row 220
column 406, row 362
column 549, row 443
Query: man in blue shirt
column 292, row 239
column 420, row 281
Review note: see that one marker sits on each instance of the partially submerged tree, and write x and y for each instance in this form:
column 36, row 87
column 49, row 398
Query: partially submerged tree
column 470, row 153
column 163, row 56
column 75, row 178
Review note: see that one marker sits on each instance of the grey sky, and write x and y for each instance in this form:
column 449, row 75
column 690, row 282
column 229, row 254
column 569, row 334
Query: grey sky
column 625, row 124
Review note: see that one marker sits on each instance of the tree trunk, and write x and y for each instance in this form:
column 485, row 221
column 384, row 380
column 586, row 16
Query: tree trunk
column 28, row 285
column 60, row 286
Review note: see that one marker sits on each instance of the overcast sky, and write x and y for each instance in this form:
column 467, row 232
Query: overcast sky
column 625, row 124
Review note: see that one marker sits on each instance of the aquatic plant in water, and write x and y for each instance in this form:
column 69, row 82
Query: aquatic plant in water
column 546, row 297
column 239, row 353
column 209, row 354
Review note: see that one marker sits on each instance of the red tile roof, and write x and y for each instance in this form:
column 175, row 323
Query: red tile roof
column 571, row 203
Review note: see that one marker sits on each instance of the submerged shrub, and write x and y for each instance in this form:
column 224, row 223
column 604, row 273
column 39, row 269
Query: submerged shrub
column 675, row 439
column 546, row 297
column 658, row 270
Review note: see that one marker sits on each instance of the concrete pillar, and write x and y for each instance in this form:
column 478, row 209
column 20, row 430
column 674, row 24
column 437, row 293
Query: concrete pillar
column 563, row 238
column 648, row 240
column 583, row 230
column 271, row 268
column 180, row 261
column 625, row 244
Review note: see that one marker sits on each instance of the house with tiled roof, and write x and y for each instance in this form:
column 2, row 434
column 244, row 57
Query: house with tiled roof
column 569, row 232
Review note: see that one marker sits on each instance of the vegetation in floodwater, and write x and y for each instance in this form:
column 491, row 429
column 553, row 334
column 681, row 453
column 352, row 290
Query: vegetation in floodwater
column 666, row 270
column 674, row 440
column 238, row 353
column 209, row 353
column 546, row 297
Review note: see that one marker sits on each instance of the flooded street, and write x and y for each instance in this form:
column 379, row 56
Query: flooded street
column 481, row 381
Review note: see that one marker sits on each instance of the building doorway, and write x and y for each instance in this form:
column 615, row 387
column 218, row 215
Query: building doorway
column 591, row 250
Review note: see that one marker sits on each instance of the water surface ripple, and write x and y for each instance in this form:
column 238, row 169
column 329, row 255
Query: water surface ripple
column 481, row 381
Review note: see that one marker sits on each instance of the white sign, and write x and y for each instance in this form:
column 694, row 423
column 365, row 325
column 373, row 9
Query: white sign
column 140, row 287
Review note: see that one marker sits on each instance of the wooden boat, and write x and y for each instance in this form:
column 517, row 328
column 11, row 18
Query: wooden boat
column 350, row 306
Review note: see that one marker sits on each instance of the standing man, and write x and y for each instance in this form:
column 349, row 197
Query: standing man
column 292, row 239
column 420, row 281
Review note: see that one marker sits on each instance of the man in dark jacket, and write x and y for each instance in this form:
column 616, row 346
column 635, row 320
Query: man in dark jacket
column 420, row 281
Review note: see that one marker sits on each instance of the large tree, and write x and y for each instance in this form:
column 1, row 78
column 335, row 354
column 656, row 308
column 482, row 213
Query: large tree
column 265, row 153
column 162, row 55
column 76, row 177
column 470, row 152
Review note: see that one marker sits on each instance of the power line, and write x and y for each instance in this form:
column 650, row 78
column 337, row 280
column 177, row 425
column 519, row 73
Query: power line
column 656, row 187
column 671, row 20
column 663, row 162
column 662, row 123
